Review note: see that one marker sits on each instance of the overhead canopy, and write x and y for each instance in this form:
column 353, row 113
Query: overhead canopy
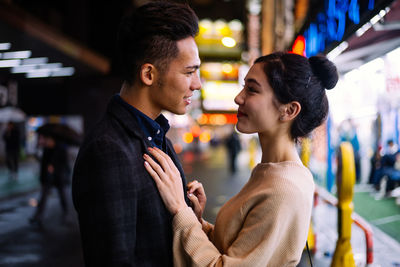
column 26, row 33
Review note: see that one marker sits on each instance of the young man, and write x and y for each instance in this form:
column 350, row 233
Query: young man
column 122, row 218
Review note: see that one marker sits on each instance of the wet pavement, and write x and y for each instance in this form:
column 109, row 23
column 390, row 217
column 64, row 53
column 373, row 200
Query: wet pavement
column 58, row 243
column 386, row 250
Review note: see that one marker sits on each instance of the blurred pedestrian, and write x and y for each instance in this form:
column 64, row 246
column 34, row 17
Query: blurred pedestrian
column 375, row 163
column 11, row 139
column 233, row 146
column 267, row 222
column 122, row 219
column 386, row 167
column 54, row 172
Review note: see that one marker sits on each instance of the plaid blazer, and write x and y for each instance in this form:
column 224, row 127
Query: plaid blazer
column 122, row 218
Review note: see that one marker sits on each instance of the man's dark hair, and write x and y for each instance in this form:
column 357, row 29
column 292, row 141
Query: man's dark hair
column 149, row 35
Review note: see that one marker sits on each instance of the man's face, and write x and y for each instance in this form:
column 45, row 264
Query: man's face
column 174, row 89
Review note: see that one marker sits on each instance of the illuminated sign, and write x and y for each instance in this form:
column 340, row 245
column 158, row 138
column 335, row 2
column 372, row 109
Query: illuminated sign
column 220, row 95
column 217, row 119
column 336, row 22
column 220, row 38
column 220, row 71
column 299, row 46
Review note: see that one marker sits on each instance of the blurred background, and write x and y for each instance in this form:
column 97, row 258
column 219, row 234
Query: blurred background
column 58, row 66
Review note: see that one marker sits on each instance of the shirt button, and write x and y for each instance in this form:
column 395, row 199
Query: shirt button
column 158, row 131
column 149, row 138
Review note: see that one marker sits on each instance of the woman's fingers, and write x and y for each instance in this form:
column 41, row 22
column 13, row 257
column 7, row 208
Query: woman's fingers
column 166, row 157
column 167, row 163
column 197, row 189
column 161, row 158
column 155, row 167
column 152, row 173
column 196, row 206
column 195, row 186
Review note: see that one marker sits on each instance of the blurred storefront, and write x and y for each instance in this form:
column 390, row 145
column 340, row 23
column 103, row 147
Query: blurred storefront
column 363, row 39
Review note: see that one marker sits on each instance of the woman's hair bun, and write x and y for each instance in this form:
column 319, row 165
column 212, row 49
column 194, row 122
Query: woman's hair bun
column 325, row 70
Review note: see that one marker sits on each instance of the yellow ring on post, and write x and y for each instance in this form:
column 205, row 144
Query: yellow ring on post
column 346, row 176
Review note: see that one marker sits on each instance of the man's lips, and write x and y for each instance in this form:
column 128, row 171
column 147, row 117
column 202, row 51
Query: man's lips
column 241, row 114
column 188, row 99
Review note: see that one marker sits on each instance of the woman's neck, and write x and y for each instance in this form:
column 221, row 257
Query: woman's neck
column 278, row 149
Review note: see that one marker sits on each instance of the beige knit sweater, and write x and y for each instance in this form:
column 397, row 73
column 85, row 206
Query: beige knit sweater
column 265, row 224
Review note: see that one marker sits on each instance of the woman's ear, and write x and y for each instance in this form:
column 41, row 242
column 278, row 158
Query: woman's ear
column 289, row 111
column 147, row 74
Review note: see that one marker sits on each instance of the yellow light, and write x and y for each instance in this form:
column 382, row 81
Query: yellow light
column 218, row 119
column 228, row 42
column 205, row 137
column 187, row 137
column 203, row 119
column 227, row 68
column 222, row 28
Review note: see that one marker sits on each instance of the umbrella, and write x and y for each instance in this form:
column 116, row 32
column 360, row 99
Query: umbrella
column 60, row 132
column 11, row 114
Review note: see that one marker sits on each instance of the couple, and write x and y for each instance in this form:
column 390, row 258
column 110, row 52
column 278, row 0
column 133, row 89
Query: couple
column 129, row 189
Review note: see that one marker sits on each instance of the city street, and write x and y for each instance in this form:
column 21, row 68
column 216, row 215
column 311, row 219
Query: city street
column 57, row 243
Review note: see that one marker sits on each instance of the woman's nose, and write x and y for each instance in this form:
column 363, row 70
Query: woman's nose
column 239, row 99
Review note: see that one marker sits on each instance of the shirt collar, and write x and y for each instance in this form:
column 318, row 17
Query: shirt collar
column 159, row 126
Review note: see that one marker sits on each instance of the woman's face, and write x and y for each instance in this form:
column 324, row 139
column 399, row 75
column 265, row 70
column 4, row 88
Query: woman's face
column 258, row 108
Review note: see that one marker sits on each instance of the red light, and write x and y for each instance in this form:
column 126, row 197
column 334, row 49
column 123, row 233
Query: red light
column 299, row 46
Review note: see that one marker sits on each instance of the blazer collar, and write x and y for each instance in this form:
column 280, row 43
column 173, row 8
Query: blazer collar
column 124, row 117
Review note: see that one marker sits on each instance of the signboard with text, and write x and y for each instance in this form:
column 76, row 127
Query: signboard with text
column 335, row 21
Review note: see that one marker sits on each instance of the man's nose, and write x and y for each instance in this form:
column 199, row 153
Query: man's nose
column 196, row 83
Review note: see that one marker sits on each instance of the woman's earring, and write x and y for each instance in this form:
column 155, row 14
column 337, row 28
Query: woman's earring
column 281, row 118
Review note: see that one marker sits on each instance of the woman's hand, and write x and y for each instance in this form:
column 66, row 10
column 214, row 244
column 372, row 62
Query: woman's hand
column 167, row 178
column 198, row 197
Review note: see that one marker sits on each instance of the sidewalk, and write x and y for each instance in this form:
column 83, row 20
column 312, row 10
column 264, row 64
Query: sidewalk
column 386, row 250
column 27, row 180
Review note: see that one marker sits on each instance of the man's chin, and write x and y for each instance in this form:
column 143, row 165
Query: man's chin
column 177, row 111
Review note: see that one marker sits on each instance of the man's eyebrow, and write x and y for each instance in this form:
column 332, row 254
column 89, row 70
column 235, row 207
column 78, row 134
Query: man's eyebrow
column 249, row 80
column 196, row 67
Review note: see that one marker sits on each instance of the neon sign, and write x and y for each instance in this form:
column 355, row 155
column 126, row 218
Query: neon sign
column 337, row 20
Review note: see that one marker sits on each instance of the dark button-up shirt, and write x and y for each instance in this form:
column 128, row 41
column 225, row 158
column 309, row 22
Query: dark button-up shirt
column 154, row 130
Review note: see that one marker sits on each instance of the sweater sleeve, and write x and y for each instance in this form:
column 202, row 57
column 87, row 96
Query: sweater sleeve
column 273, row 233
column 208, row 228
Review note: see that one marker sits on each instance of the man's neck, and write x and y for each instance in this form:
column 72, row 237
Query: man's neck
column 138, row 97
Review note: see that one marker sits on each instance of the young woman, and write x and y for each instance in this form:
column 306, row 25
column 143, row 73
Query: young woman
column 266, row 223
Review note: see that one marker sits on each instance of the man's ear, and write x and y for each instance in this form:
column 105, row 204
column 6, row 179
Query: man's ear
column 147, row 74
column 289, row 111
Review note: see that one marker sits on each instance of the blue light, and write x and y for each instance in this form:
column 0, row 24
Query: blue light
column 330, row 24
column 336, row 27
column 354, row 11
column 371, row 4
column 331, row 7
